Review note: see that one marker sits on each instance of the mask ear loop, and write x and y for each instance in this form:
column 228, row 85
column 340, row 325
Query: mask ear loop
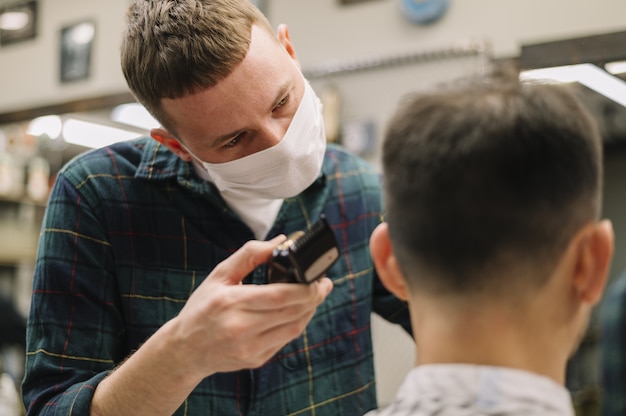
column 188, row 150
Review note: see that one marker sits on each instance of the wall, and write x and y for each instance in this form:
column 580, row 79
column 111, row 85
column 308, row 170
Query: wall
column 322, row 30
column 29, row 70
column 376, row 26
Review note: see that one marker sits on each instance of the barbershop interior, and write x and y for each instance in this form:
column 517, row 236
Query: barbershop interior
column 63, row 93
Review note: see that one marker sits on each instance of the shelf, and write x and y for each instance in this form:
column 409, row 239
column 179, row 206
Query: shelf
column 20, row 222
column 21, row 200
column 17, row 244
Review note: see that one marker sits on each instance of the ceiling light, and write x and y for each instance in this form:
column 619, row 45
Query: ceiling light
column 47, row 125
column 588, row 75
column 618, row 67
column 134, row 114
column 87, row 134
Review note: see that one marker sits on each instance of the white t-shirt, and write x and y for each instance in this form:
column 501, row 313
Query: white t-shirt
column 472, row 390
column 258, row 214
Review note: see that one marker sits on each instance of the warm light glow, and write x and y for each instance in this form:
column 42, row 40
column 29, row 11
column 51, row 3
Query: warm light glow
column 618, row 67
column 47, row 125
column 94, row 135
column 588, row 75
column 14, row 20
column 82, row 33
column 134, row 114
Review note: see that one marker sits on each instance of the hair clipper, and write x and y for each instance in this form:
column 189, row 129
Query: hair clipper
column 305, row 256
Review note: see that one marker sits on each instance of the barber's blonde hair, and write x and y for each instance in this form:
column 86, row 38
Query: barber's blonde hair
column 172, row 48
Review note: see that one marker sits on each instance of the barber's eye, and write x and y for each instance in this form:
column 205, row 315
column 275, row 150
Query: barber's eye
column 281, row 103
column 233, row 142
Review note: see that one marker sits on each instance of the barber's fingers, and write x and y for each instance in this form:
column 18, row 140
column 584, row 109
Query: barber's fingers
column 243, row 261
column 284, row 313
column 259, row 298
column 242, row 326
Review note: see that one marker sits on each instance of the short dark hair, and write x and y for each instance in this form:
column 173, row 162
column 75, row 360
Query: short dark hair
column 172, row 48
column 485, row 177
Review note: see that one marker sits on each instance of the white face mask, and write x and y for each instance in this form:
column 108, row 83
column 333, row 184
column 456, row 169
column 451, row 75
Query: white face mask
column 283, row 170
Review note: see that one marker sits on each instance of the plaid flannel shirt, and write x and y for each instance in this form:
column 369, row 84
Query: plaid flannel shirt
column 613, row 349
column 131, row 230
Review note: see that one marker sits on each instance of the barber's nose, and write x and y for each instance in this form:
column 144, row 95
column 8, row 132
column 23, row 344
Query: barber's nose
column 270, row 136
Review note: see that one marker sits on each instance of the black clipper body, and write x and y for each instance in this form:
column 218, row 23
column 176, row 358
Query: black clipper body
column 305, row 256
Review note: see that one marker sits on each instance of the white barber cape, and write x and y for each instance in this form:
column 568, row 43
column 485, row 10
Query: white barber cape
column 472, row 390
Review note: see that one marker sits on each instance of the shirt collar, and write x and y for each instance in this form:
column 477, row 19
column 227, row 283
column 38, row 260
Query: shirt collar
column 158, row 162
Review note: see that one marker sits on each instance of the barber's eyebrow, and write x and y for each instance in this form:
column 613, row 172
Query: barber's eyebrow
column 281, row 94
column 228, row 136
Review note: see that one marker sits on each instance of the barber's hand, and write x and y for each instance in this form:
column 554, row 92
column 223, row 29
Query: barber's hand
column 227, row 326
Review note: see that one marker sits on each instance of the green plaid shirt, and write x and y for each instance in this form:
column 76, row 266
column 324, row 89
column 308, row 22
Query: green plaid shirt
column 131, row 230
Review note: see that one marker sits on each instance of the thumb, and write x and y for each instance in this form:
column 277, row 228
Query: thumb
column 243, row 261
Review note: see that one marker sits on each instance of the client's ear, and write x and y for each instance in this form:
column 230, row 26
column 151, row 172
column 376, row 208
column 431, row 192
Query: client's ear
column 166, row 139
column 386, row 263
column 594, row 255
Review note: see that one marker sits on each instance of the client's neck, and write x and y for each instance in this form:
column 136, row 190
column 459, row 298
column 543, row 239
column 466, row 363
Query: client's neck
column 497, row 334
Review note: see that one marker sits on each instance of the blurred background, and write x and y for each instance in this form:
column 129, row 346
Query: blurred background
column 62, row 92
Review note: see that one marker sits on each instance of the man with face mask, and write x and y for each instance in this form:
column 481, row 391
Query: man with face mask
column 124, row 318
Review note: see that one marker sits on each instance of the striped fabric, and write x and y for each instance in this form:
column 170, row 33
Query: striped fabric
column 131, row 231
column 472, row 390
column 613, row 348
